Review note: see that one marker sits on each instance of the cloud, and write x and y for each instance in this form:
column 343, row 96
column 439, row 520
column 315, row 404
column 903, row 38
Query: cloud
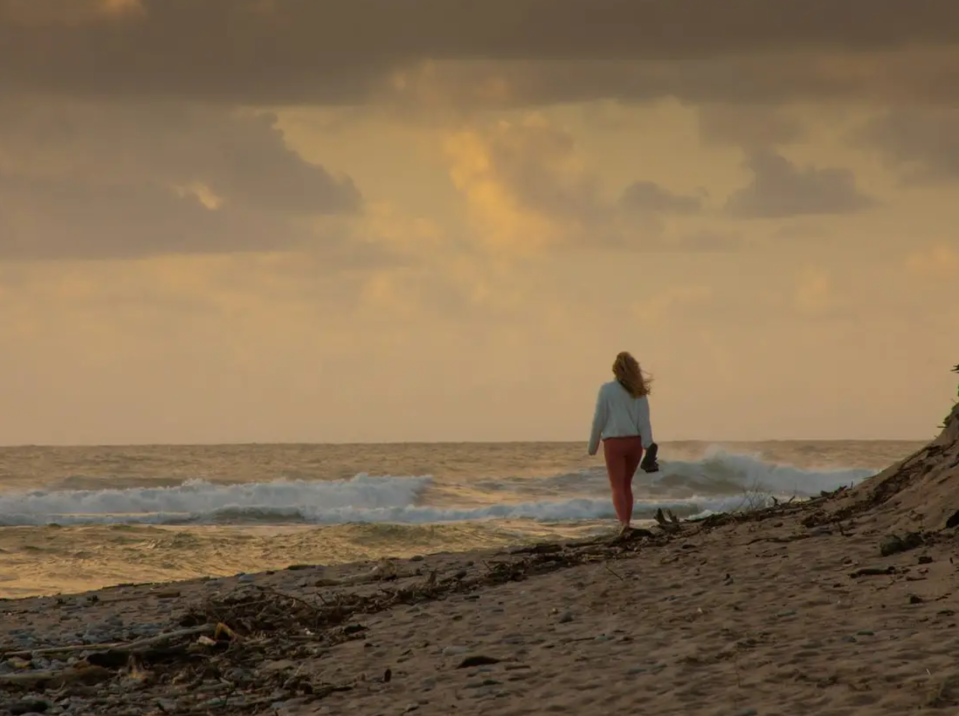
column 671, row 304
column 27, row 13
column 540, row 164
column 527, row 187
column 921, row 144
column 241, row 156
column 808, row 233
column 938, row 262
column 781, row 189
column 64, row 218
column 706, row 241
column 79, row 180
column 649, row 196
column 749, row 126
column 346, row 51
column 813, row 295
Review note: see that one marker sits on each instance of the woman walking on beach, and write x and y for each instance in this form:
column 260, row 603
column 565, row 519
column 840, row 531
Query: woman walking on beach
column 622, row 422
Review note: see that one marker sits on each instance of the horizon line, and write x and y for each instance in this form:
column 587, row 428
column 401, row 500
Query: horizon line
column 348, row 443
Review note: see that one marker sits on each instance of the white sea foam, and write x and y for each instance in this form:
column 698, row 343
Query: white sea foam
column 722, row 470
column 716, row 483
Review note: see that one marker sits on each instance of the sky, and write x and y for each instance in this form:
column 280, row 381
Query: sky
column 430, row 220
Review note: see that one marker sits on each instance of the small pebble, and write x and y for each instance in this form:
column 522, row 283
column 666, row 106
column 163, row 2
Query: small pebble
column 480, row 684
column 29, row 706
column 484, row 691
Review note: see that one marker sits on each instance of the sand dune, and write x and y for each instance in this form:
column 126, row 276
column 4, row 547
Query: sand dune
column 843, row 606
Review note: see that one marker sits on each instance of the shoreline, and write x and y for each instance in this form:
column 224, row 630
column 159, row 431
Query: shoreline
column 826, row 607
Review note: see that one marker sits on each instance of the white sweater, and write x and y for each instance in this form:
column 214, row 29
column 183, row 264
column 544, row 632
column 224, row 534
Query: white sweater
column 619, row 415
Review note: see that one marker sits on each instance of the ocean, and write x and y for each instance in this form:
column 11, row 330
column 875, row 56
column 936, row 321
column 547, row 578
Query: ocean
column 79, row 518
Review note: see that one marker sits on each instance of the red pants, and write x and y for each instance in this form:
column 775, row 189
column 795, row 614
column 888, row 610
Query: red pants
column 623, row 456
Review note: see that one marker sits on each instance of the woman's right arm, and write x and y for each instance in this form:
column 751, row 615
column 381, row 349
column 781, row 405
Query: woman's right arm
column 599, row 422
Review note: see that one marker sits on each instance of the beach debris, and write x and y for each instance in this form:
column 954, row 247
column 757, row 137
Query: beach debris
column 223, row 631
column 384, row 571
column 893, row 543
column 477, row 660
column 872, row 572
column 80, row 673
column 615, row 574
column 138, row 645
column 29, row 706
column 672, row 524
column 541, row 548
column 944, row 691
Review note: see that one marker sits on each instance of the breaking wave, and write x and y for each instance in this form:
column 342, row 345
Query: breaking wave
column 721, row 481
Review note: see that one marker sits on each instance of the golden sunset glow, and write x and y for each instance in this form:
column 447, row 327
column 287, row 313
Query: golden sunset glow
column 332, row 225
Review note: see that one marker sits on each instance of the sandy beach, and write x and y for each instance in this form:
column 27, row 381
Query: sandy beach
column 845, row 604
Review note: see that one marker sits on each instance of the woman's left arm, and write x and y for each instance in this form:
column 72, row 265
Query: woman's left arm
column 599, row 422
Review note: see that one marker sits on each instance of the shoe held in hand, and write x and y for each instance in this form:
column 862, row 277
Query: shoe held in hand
column 649, row 463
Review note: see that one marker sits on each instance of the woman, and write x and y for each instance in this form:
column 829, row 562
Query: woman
column 622, row 422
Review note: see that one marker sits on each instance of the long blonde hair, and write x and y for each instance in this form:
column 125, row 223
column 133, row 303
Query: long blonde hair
column 630, row 375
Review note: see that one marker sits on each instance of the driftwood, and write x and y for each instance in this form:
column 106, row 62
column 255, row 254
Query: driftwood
column 130, row 647
column 384, row 571
column 83, row 674
column 672, row 524
column 873, row 572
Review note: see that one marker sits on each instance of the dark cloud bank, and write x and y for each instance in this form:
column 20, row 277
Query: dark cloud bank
column 84, row 180
column 287, row 51
column 108, row 122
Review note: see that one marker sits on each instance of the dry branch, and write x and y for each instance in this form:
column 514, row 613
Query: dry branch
column 133, row 646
